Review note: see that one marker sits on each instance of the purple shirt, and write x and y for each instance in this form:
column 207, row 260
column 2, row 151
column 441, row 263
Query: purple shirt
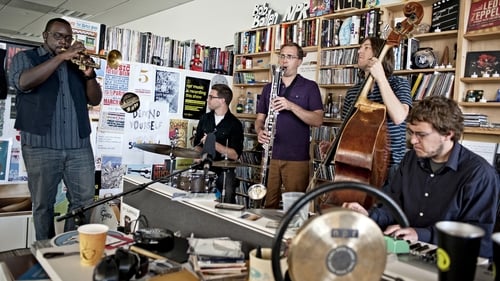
column 292, row 138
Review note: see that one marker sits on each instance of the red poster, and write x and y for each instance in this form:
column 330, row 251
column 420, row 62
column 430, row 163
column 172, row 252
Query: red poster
column 484, row 14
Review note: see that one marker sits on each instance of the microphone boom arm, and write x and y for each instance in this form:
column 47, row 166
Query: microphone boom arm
column 79, row 211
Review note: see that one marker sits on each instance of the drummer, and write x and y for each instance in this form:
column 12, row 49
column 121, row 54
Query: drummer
column 220, row 134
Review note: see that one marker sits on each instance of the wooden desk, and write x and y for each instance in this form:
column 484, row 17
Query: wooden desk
column 198, row 217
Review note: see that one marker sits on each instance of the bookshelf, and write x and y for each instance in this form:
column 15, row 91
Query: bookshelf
column 478, row 40
column 146, row 47
column 336, row 65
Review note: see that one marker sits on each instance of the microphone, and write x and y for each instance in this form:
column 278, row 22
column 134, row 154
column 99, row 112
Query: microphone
column 206, row 160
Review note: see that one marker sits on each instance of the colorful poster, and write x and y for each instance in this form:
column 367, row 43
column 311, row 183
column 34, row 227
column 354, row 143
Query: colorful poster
column 483, row 14
column 87, row 32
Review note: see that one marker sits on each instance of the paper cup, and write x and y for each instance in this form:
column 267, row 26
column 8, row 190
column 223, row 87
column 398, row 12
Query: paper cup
column 289, row 198
column 458, row 249
column 92, row 239
column 261, row 269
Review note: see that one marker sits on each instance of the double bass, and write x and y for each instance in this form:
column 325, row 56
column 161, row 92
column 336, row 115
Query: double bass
column 361, row 151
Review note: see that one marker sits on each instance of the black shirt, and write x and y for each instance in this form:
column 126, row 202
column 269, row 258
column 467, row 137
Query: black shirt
column 229, row 131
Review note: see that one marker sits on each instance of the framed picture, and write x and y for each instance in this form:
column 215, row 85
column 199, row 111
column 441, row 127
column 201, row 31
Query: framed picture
column 5, row 152
column 482, row 62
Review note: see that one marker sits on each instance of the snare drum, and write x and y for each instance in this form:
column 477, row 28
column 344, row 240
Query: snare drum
column 194, row 181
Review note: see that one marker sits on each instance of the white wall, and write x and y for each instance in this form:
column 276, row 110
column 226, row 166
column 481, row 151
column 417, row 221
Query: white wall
column 210, row 22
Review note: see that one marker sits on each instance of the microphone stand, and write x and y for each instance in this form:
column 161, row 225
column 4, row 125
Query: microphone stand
column 78, row 213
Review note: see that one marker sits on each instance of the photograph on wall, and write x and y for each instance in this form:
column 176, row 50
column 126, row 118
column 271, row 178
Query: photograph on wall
column 482, row 62
column 167, row 89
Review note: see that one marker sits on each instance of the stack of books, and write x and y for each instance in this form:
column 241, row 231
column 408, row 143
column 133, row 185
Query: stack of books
column 217, row 259
column 475, row 119
column 219, row 268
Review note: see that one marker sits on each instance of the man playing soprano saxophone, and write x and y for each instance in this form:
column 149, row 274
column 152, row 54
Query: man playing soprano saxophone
column 300, row 106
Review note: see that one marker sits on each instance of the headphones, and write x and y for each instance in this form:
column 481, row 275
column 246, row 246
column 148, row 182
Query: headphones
column 123, row 265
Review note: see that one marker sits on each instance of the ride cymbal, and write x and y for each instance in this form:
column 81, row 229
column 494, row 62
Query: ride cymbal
column 226, row 164
column 167, row 150
column 338, row 245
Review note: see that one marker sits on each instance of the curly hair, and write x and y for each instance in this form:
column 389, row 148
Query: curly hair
column 441, row 112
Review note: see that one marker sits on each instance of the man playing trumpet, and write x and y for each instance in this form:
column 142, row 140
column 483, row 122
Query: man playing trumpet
column 51, row 103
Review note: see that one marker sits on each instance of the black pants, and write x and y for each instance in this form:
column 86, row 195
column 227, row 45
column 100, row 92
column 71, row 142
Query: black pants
column 230, row 186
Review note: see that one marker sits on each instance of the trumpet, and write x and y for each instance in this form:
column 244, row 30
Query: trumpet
column 84, row 59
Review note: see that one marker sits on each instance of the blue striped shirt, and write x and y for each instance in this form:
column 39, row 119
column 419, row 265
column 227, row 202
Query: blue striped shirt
column 397, row 133
column 63, row 132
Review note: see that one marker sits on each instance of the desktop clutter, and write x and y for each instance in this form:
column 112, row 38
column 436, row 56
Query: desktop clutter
column 346, row 246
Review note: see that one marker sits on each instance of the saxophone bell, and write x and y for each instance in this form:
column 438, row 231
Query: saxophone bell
column 256, row 193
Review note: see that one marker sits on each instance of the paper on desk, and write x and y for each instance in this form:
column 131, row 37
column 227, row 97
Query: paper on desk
column 215, row 247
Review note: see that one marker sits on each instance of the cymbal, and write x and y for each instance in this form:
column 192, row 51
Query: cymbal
column 347, row 246
column 226, row 164
column 167, row 149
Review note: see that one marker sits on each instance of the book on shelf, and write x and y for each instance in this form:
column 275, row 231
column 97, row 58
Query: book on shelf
column 416, row 84
column 355, row 27
column 412, row 45
column 320, row 7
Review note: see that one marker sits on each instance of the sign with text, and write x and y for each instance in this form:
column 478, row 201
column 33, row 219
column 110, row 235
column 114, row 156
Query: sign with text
column 484, row 14
column 195, row 97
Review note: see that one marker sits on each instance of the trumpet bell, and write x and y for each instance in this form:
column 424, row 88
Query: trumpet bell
column 114, row 59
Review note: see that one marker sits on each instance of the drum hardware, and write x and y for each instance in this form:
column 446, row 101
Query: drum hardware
column 350, row 245
column 168, row 150
column 226, row 164
column 195, row 181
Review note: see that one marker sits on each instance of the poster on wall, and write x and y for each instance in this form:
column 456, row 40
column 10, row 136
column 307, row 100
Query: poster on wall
column 89, row 33
column 195, row 97
column 167, row 89
column 161, row 91
column 484, row 14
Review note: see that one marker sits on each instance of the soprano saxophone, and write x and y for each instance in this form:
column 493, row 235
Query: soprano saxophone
column 257, row 191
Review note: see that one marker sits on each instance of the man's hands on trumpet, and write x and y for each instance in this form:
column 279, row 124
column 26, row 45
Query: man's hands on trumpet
column 76, row 54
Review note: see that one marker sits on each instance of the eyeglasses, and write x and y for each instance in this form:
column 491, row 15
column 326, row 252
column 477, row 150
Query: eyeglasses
column 214, row 97
column 287, row 57
column 59, row 36
column 418, row 135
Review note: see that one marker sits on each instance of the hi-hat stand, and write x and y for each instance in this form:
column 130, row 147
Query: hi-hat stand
column 78, row 213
